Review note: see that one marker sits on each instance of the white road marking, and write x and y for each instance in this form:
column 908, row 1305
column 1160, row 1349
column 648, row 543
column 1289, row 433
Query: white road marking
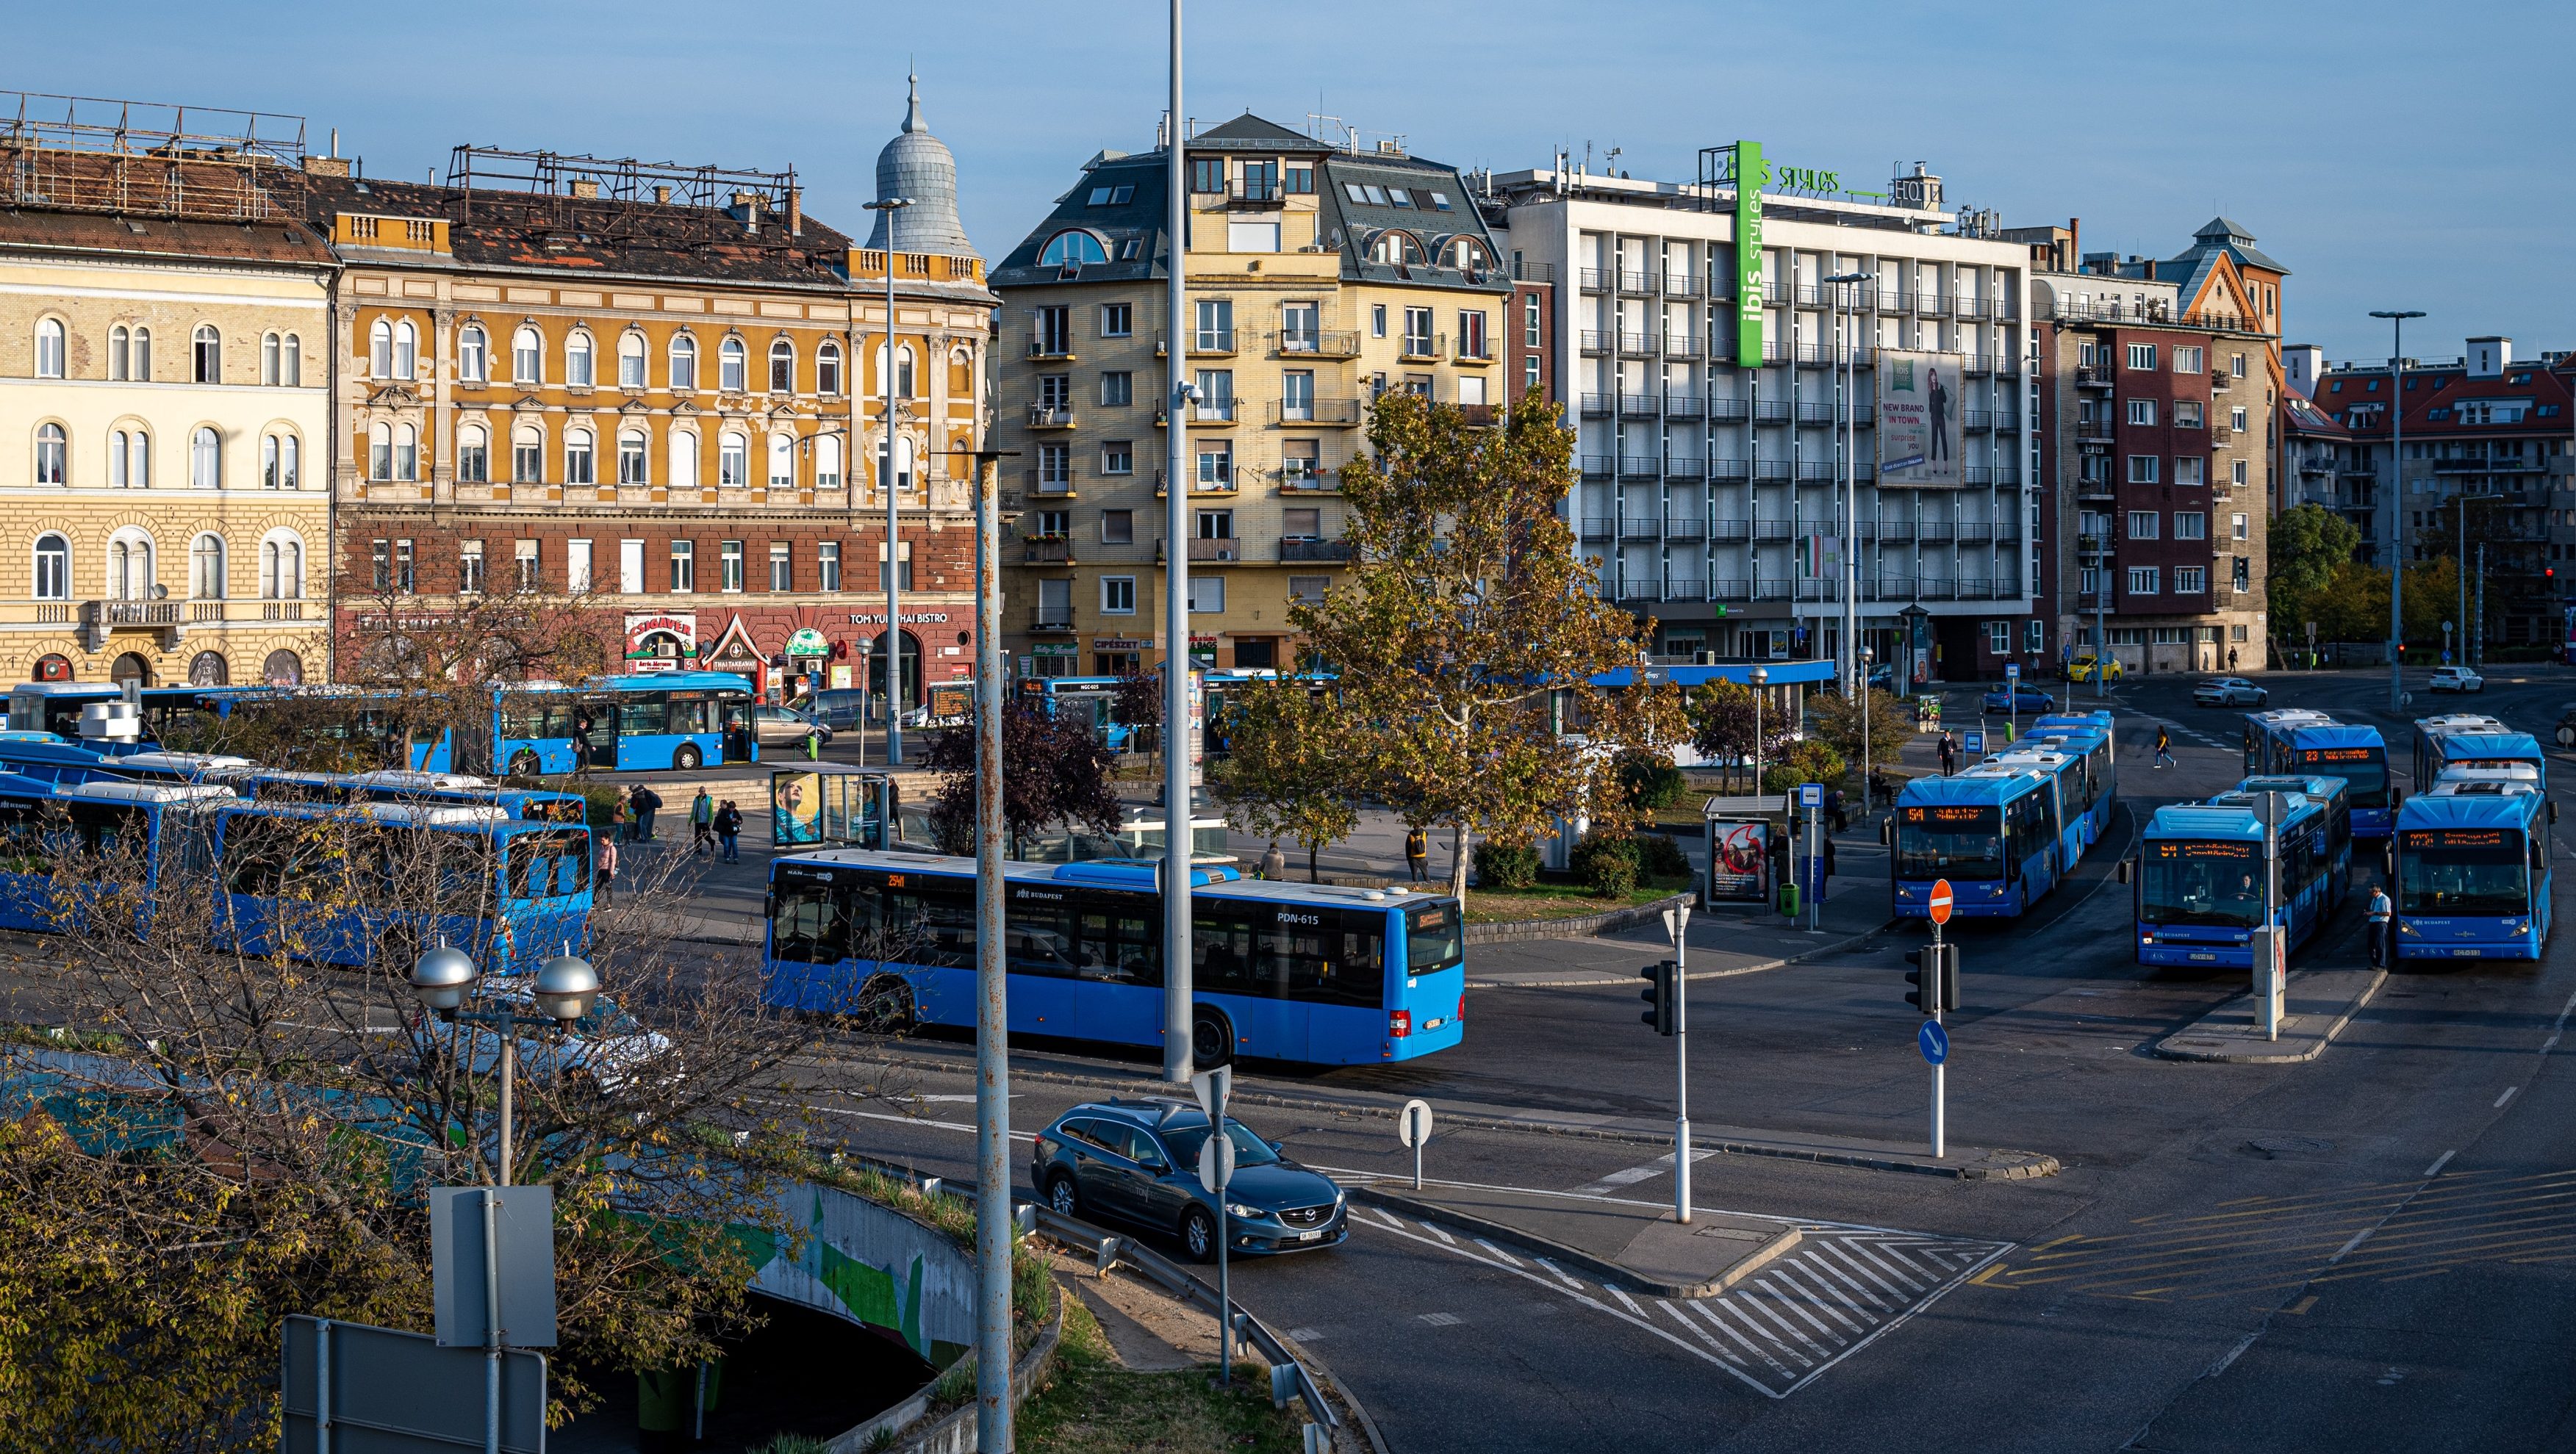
column 1442, row 1320
column 1630, row 1176
column 1304, row 1335
column 2508, row 1095
column 2439, row 1162
column 1559, row 1273
column 1624, row 1300
column 1508, row 1259
column 1445, row 1239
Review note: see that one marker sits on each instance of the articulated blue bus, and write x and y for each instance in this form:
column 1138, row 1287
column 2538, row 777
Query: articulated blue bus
column 1313, row 973
column 2334, row 796
column 55, row 707
column 2095, row 721
column 2075, row 819
column 2474, row 861
column 2267, row 732
column 2200, row 889
column 2355, row 754
column 420, row 789
column 2429, row 732
column 1994, row 833
column 643, row 722
column 1091, row 701
column 93, row 828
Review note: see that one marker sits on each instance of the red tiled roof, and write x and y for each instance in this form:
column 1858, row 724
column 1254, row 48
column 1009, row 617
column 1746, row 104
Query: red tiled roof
column 2446, row 389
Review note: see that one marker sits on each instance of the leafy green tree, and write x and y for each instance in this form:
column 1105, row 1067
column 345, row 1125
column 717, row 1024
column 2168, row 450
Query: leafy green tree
column 1466, row 636
column 1837, row 719
column 1722, row 718
column 2306, row 544
column 1054, row 770
column 1286, row 774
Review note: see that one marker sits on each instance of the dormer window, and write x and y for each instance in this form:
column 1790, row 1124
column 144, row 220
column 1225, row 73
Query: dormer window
column 1072, row 248
column 1111, row 196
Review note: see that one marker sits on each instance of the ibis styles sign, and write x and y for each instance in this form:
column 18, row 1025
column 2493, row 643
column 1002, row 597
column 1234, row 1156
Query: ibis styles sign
column 1750, row 173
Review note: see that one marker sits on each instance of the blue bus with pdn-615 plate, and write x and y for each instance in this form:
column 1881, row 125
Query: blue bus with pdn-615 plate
column 2474, row 862
column 1313, row 973
column 2200, row 886
column 1993, row 832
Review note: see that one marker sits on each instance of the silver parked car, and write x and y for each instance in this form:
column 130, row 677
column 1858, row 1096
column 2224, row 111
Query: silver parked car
column 2228, row 692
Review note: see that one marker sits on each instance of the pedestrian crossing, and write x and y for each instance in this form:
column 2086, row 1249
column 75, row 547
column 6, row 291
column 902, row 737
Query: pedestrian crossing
column 1836, row 1292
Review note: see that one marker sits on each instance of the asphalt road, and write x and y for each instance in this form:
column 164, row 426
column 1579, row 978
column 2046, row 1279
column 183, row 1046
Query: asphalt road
column 2367, row 1252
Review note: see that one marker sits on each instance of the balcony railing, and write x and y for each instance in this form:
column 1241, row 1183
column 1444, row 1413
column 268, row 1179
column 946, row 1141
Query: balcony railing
column 1594, row 280
column 1818, row 414
column 1213, row 411
column 1534, row 272
column 1639, row 527
column 1045, row 482
column 2093, row 376
column 1326, row 343
column 1728, row 411
column 1771, row 411
column 1223, row 548
column 1729, row 532
column 1636, row 343
column 1771, row 471
column 2094, row 431
column 1212, row 340
column 1640, row 405
column 1242, row 193
column 1730, row 471
column 1597, row 341
column 1304, row 479
column 1046, row 550
column 1475, row 350
column 1338, row 413
column 1680, row 285
column 1051, row 345
column 1684, row 524
column 1600, row 466
column 1636, row 282
column 1639, row 466
column 1684, row 466
column 1050, row 618
column 1678, row 343
column 1306, row 550
column 1423, row 347
column 1050, row 416
column 1600, row 527
column 1681, row 404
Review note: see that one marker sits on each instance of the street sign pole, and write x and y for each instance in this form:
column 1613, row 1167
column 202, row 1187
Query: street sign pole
column 1413, row 1128
column 1677, row 926
column 2268, row 946
column 1216, row 1172
column 1932, row 998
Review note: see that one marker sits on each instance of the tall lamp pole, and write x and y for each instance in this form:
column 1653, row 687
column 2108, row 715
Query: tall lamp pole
column 2396, row 504
column 1848, row 381
column 1177, row 1023
column 891, row 206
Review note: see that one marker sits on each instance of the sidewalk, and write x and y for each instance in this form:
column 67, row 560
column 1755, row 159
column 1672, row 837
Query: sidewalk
column 1640, row 1247
column 2315, row 1006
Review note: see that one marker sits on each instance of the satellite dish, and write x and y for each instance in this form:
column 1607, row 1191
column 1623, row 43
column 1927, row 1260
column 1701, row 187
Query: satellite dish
column 1337, row 237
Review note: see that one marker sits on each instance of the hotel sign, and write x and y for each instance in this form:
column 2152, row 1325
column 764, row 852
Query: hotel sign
column 1750, row 173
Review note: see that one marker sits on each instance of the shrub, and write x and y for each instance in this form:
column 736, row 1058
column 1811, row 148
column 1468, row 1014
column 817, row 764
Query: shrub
column 1506, row 865
column 1809, row 761
column 1607, row 867
column 1651, row 782
column 1659, row 855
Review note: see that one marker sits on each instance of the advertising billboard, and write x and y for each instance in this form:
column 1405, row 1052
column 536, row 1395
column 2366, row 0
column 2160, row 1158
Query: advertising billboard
column 1918, row 418
column 1739, row 859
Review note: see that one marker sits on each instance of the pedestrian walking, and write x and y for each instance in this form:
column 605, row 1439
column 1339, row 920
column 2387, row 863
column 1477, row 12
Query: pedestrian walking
column 1835, row 813
column 1274, row 864
column 2231, row 658
column 2164, row 747
column 647, row 803
column 621, row 816
column 2380, row 910
column 1949, row 753
column 607, row 876
column 728, row 823
column 702, row 822
column 1417, row 854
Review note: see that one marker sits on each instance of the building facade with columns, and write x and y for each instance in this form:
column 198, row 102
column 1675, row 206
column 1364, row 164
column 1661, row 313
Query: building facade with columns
column 661, row 389
column 164, row 395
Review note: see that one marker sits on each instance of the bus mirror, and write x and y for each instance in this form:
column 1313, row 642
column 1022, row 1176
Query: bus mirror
column 2396, row 796
column 2128, row 870
column 1887, row 832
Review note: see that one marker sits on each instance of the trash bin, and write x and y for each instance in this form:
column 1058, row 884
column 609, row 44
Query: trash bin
column 1789, row 900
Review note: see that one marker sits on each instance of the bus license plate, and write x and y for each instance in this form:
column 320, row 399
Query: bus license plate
column 2467, row 953
column 1314, row 1236
column 2204, row 956
column 1427, row 1024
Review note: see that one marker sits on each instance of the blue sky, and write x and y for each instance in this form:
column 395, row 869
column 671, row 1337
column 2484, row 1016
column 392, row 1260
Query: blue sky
column 2389, row 156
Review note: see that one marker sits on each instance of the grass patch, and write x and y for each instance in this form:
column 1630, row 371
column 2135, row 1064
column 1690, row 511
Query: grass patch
column 1551, row 899
column 1091, row 1405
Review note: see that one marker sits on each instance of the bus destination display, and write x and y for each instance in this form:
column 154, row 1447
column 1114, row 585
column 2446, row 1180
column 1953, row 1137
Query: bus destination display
column 2205, row 848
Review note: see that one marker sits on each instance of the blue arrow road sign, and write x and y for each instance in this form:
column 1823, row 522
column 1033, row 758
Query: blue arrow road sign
column 1934, row 1040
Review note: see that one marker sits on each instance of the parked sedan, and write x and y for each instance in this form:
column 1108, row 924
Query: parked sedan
column 785, row 724
column 2018, row 699
column 2082, row 668
column 2455, row 679
column 2228, row 692
column 1138, row 1162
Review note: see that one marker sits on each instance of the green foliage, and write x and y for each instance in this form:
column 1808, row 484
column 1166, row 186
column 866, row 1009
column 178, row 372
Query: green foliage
column 1054, row 770
column 1837, row 720
column 1722, row 722
column 1286, row 775
column 1652, row 781
column 1503, row 865
column 1660, row 856
column 1605, row 865
column 2306, row 543
column 1807, row 761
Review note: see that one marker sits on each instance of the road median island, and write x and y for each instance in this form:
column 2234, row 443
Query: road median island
column 2315, row 1006
column 1621, row 1243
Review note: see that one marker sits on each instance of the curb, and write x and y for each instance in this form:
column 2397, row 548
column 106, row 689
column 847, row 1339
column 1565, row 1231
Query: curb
column 1610, row 1273
column 1575, row 928
column 2171, row 1048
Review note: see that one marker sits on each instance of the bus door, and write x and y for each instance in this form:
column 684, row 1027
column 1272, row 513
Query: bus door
column 594, row 732
column 1245, row 951
column 733, row 719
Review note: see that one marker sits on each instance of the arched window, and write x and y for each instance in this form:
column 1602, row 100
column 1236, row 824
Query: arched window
column 207, row 355
column 527, row 455
column 903, row 460
column 1466, row 255
column 631, row 445
column 49, row 348
column 1396, row 248
column 782, row 461
column 206, row 459
column 380, row 451
column 473, row 454
column 120, row 352
column 1072, row 249
column 684, row 362
column 281, row 566
column 380, row 349
column 268, row 361
column 130, row 667
column 782, row 367
column 684, row 460
column 129, row 459
column 281, row 462
column 53, row 454
column 406, row 453
column 577, row 369
column 142, row 355
column 53, row 568
column 527, row 358
column 208, row 669
column 827, row 461
column 129, row 565
column 961, row 373
column 827, row 369
column 206, row 567
column 473, row 354
column 630, row 361
column 906, row 381
column 283, row 669
column 732, row 367
column 406, row 351
column 291, row 370
column 579, row 468
column 733, row 460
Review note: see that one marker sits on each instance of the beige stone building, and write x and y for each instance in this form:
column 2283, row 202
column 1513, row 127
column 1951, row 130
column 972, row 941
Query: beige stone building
column 164, row 398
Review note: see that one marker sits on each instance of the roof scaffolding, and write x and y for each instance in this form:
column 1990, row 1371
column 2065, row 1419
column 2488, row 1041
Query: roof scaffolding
column 547, row 189
column 141, row 158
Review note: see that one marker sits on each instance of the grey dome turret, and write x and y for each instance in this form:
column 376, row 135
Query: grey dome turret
column 918, row 165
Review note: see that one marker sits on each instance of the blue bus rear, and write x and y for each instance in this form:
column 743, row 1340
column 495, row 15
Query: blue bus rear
column 57, row 840
column 1992, row 833
column 2358, row 756
column 2200, row 886
column 2101, row 770
column 1091, row 700
column 647, row 722
column 2489, row 749
column 2474, row 863
column 1309, row 973
column 2094, row 721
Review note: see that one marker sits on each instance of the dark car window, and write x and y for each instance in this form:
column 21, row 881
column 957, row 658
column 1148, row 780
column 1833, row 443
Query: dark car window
column 1093, row 1134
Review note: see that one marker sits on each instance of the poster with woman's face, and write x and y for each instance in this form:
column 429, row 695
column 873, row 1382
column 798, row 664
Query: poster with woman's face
column 796, row 807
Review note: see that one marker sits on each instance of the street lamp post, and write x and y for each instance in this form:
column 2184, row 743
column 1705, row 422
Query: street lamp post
column 891, row 207
column 1866, row 806
column 1847, row 383
column 2460, row 568
column 1760, row 677
column 1178, row 1023
column 2396, row 506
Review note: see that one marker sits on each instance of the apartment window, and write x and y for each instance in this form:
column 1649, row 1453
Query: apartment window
column 2188, row 414
column 2188, row 358
column 2142, row 411
column 1117, row 456
column 2236, row 419
column 2236, row 633
column 1117, row 320
column 1377, row 320
column 523, row 557
column 469, row 567
column 729, row 567
column 2190, row 469
column 827, row 369
column 380, row 349
column 1298, row 328
column 473, row 456
column 206, row 459
column 579, row 465
column 684, row 362
column 207, row 354
column 1298, row 461
column 1216, row 525
column 1207, row 595
column 2190, row 580
column 206, row 568
column 1216, row 394
column 268, row 358
column 1471, row 334
column 2236, row 471
column 1302, row 522
column 290, row 370
column 1531, row 324
column 827, row 461
column 2037, row 636
column 49, row 348
column 2086, row 355
column 1053, row 523
column 1298, row 180
column 1054, row 331
column 827, row 565
column 782, row 461
column 406, row 577
column 2240, row 526
column 1055, row 391
column 2190, row 525
column 1207, row 174
column 733, row 461
column 527, row 357
column 1216, row 465
column 578, row 362
column 1118, row 527
column 380, row 557
column 1118, row 595
column 782, row 566
column 1251, row 236
column 630, row 567
column 2091, row 584
column 631, row 468
column 733, row 367
column 1117, row 388
column 527, row 455
column 1215, row 324
column 630, row 361
column 380, row 451
column 684, row 566
column 2142, row 356
column 2142, row 524
column 1297, row 394
column 782, row 367
column 2142, row 580
column 473, row 355
column 1055, row 466
column 1308, row 590
column 2236, row 367
column 1530, row 372
column 2143, row 469
column 1999, row 637
column 1417, row 331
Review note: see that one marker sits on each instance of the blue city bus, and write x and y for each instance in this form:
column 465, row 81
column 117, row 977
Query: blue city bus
column 89, row 827
column 2449, row 750
column 2333, row 795
column 2075, row 799
column 535, row 805
column 2100, row 721
column 2266, row 733
column 639, row 723
column 2429, row 732
column 2473, row 872
column 55, row 707
column 2102, row 772
column 353, row 883
column 1092, row 701
column 2200, row 890
column 2355, row 754
column 1992, row 833
column 1311, row 973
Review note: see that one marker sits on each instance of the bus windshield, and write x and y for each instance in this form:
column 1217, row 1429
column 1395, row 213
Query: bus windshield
column 2462, row 871
column 2365, row 768
column 1950, row 840
column 549, row 865
column 1432, row 939
column 2219, row 884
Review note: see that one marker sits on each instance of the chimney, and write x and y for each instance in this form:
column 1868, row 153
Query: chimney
column 2489, row 357
column 326, row 166
column 748, row 205
column 795, row 212
column 662, row 196
column 585, row 186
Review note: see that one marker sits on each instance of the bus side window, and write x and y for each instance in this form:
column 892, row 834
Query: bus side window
column 643, row 714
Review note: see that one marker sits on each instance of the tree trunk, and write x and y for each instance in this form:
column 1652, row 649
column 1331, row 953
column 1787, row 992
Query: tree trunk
column 1458, row 862
column 1313, row 875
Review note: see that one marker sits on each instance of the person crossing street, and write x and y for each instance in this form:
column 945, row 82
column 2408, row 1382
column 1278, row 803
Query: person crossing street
column 2380, row 910
column 2164, row 747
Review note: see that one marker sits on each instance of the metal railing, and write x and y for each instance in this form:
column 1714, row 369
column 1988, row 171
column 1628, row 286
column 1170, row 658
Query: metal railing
column 1729, row 532
column 1242, row 193
column 1046, row 550
column 1681, row 404
column 1051, row 345
column 1302, row 479
column 1684, row 525
column 1049, row 618
column 1594, row 280
column 1422, row 347
column 1639, row 527
column 1723, row 410
column 1316, row 411
column 1534, row 272
column 1212, row 340
column 1600, row 466
column 1639, row 466
column 1636, row 282
column 1771, row 411
column 1050, row 416
column 1599, row 404
column 1684, row 466
column 1646, row 405
column 1730, row 471
column 1300, row 550
column 1323, row 343
column 1680, row 285
column 1044, row 482
column 1600, row 527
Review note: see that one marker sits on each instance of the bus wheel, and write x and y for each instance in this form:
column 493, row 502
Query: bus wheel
column 1211, row 1040
column 687, row 758
column 885, row 1006
column 525, row 764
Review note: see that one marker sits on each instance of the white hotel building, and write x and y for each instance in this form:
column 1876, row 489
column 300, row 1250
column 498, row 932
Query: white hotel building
column 1711, row 485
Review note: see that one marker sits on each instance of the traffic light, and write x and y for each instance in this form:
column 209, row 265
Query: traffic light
column 1934, row 978
column 1663, row 978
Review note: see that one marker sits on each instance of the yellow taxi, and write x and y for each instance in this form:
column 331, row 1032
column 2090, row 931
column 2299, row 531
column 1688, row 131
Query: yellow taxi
column 2082, row 668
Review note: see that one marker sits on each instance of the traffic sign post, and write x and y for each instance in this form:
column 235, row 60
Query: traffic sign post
column 1413, row 1128
column 1934, row 989
column 1677, row 925
column 1972, row 741
column 2012, row 701
column 2270, row 944
column 1216, row 1170
column 1811, row 884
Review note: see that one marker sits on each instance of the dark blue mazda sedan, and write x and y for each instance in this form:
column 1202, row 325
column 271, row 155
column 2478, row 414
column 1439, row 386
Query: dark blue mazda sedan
column 1136, row 1161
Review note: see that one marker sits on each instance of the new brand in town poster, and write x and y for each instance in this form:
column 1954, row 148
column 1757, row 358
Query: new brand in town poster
column 1918, row 418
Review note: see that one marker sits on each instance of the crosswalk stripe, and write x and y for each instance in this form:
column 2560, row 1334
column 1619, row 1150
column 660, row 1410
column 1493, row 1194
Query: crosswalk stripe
column 1719, row 1323
column 1790, row 1271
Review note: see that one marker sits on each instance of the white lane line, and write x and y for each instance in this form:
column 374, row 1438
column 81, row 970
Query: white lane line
column 1559, row 1274
column 2232, row 1354
column 1624, row 1300
column 1508, row 1259
column 2345, row 1251
column 1630, row 1176
column 2508, row 1095
column 1380, row 1216
column 1694, row 1329
column 1445, row 1239
column 964, row 1126
column 2439, row 1162
column 1440, row 1320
